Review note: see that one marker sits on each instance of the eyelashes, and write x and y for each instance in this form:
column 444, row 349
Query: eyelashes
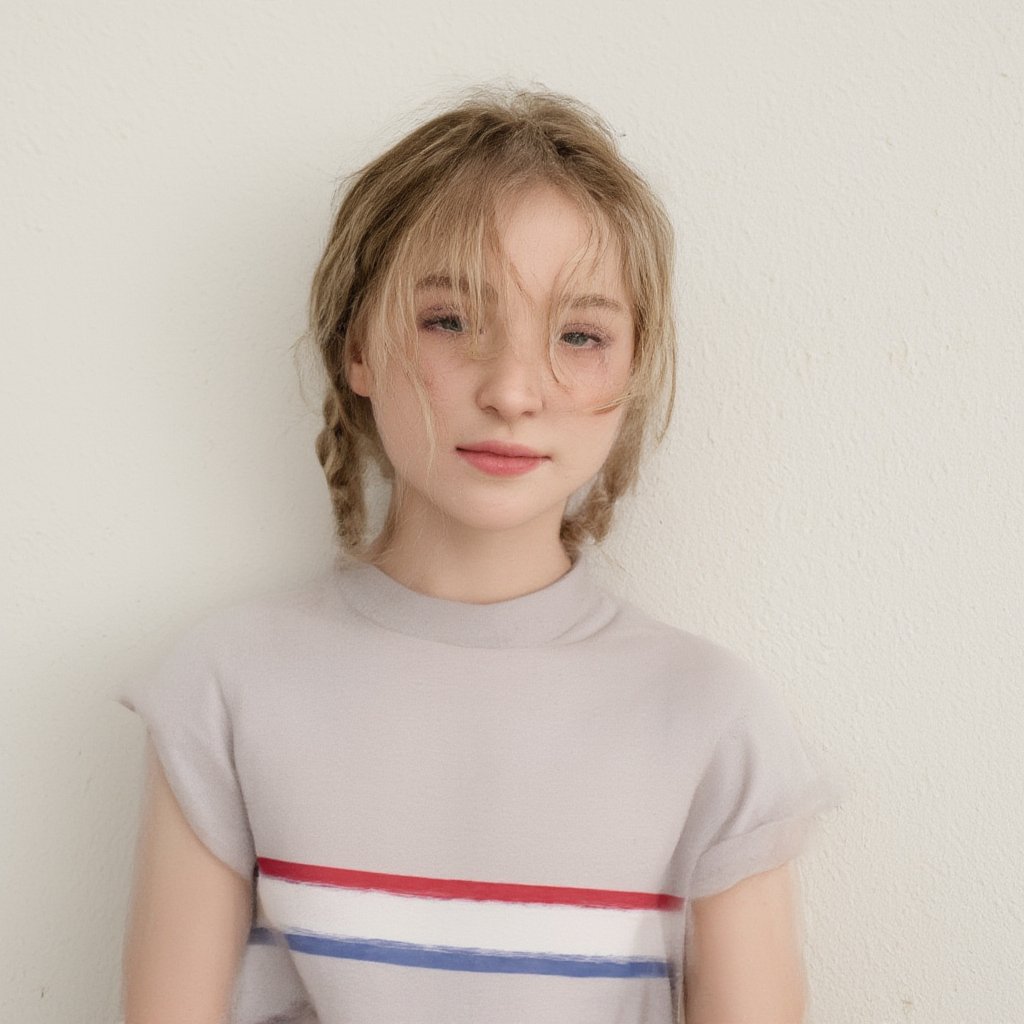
column 584, row 338
column 444, row 323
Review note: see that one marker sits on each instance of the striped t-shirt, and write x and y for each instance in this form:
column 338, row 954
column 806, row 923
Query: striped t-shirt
column 463, row 813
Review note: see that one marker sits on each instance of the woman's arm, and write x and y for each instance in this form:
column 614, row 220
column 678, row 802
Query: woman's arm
column 744, row 963
column 189, row 919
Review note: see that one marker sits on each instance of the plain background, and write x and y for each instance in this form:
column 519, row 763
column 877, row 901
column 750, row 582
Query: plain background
column 839, row 499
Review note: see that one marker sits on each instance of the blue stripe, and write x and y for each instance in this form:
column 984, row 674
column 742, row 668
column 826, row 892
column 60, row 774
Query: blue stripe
column 452, row 958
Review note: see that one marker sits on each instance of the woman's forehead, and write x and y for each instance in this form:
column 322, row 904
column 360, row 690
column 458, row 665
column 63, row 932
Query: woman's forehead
column 588, row 275
column 476, row 236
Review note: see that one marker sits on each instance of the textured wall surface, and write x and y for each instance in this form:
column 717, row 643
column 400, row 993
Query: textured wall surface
column 839, row 498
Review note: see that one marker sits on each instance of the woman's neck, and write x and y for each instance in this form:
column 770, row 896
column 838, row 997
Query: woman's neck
column 480, row 567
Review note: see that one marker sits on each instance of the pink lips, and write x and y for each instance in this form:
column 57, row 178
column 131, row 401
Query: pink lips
column 500, row 459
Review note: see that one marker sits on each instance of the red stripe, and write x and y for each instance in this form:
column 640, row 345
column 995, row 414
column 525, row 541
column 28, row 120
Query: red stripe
column 459, row 889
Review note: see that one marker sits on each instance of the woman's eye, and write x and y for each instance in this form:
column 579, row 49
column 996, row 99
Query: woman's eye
column 583, row 339
column 449, row 323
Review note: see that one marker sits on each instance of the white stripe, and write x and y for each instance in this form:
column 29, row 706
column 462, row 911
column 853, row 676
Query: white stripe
column 471, row 924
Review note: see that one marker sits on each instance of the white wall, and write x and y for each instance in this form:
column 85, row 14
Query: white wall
column 840, row 498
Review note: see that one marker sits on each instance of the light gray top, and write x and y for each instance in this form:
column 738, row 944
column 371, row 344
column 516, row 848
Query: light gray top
column 472, row 812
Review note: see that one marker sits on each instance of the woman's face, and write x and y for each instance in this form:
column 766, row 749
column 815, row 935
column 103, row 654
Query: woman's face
column 512, row 441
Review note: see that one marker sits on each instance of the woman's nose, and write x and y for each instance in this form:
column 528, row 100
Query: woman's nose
column 512, row 378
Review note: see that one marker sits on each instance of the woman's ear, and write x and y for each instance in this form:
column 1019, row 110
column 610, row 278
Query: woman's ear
column 360, row 380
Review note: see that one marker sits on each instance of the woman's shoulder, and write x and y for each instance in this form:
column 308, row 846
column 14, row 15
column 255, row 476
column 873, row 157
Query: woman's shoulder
column 225, row 641
column 264, row 614
column 702, row 669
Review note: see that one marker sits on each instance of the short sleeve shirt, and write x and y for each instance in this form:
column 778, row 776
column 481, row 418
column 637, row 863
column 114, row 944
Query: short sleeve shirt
column 457, row 812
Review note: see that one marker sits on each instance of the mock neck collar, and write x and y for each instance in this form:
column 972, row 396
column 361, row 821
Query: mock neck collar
column 565, row 610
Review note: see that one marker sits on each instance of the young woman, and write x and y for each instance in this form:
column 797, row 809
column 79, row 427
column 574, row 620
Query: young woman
column 451, row 779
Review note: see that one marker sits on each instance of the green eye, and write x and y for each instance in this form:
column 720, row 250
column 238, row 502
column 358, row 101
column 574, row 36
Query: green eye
column 582, row 339
column 449, row 324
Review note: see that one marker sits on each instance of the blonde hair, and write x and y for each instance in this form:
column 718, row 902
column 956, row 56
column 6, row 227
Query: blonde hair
column 438, row 191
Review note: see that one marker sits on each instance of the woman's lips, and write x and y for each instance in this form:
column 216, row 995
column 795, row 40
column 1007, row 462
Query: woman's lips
column 500, row 459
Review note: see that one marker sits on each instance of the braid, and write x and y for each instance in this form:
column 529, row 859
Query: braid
column 340, row 455
column 618, row 475
column 577, row 529
column 594, row 518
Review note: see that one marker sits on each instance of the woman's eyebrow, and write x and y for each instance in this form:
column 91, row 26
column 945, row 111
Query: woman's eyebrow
column 590, row 300
column 595, row 301
column 444, row 283
column 438, row 281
